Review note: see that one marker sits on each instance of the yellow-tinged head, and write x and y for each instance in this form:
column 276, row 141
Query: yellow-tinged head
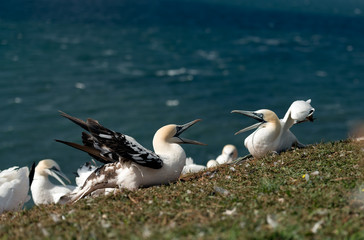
column 50, row 167
column 171, row 134
column 263, row 116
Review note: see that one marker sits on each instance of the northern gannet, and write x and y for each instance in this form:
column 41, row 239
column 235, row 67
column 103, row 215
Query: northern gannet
column 14, row 188
column 266, row 138
column 299, row 111
column 127, row 163
column 45, row 192
column 273, row 134
column 191, row 167
column 228, row 155
column 212, row 163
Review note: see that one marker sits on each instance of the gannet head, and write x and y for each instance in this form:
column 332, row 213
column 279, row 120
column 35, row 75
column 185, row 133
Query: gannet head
column 263, row 116
column 230, row 151
column 50, row 167
column 171, row 134
column 302, row 111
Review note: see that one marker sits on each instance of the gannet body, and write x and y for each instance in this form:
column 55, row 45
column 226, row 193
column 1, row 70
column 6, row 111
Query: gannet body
column 45, row 192
column 14, row 188
column 127, row 163
column 212, row 163
column 191, row 167
column 299, row 111
column 266, row 138
column 273, row 134
column 83, row 172
column 228, row 155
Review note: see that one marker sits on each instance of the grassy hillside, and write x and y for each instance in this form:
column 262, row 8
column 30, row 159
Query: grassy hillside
column 313, row 193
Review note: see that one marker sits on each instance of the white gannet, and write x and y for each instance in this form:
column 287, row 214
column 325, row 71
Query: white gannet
column 273, row 134
column 127, row 163
column 45, row 192
column 191, row 167
column 266, row 138
column 212, row 163
column 228, row 155
column 299, row 111
column 14, row 188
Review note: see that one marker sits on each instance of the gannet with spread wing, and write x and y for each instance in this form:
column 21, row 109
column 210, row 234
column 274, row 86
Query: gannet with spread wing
column 127, row 163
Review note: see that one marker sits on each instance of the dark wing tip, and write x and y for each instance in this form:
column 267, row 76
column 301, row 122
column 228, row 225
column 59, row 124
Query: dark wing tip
column 78, row 121
column 31, row 174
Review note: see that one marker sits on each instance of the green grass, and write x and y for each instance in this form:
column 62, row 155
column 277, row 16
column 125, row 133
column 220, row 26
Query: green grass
column 259, row 199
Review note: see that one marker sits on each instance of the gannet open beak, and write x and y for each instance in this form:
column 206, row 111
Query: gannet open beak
column 54, row 172
column 181, row 128
column 256, row 116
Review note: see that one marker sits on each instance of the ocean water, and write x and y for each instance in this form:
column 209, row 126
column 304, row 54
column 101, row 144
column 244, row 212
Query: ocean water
column 138, row 65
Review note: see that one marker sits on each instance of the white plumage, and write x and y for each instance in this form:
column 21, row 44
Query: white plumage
column 228, row 155
column 191, row 167
column 14, row 188
column 127, row 163
column 273, row 134
column 45, row 192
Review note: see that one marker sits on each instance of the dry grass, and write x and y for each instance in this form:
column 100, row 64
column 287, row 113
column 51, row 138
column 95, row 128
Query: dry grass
column 313, row 193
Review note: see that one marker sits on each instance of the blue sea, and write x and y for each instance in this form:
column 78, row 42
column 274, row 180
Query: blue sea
column 138, row 65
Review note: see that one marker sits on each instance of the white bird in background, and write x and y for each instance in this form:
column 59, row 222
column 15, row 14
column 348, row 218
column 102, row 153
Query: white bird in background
column 14, row 188
column 83, row 172
column 212, row 163
column 191, row 167
column 273, row 135
column 228, row 155
column 127, row 163
column 45, row 192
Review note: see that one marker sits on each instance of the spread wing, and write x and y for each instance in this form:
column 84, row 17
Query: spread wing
column 108, row 146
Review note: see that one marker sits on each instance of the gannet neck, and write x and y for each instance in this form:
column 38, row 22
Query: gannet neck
column 41, row 180
column 287, row 121
column 271, row 120
column 273, row 126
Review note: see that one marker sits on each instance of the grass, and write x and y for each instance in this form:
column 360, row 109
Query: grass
column 311, row 193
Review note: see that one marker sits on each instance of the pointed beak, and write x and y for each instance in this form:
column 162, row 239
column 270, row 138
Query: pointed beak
column 256, row 116
column 54, row 172
column 181, row 128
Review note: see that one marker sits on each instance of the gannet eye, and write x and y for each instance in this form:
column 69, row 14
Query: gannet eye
column 54, row 168
column 311, row 111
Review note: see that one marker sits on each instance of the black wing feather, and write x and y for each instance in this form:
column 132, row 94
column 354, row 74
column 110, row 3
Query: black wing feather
column 108, row 146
